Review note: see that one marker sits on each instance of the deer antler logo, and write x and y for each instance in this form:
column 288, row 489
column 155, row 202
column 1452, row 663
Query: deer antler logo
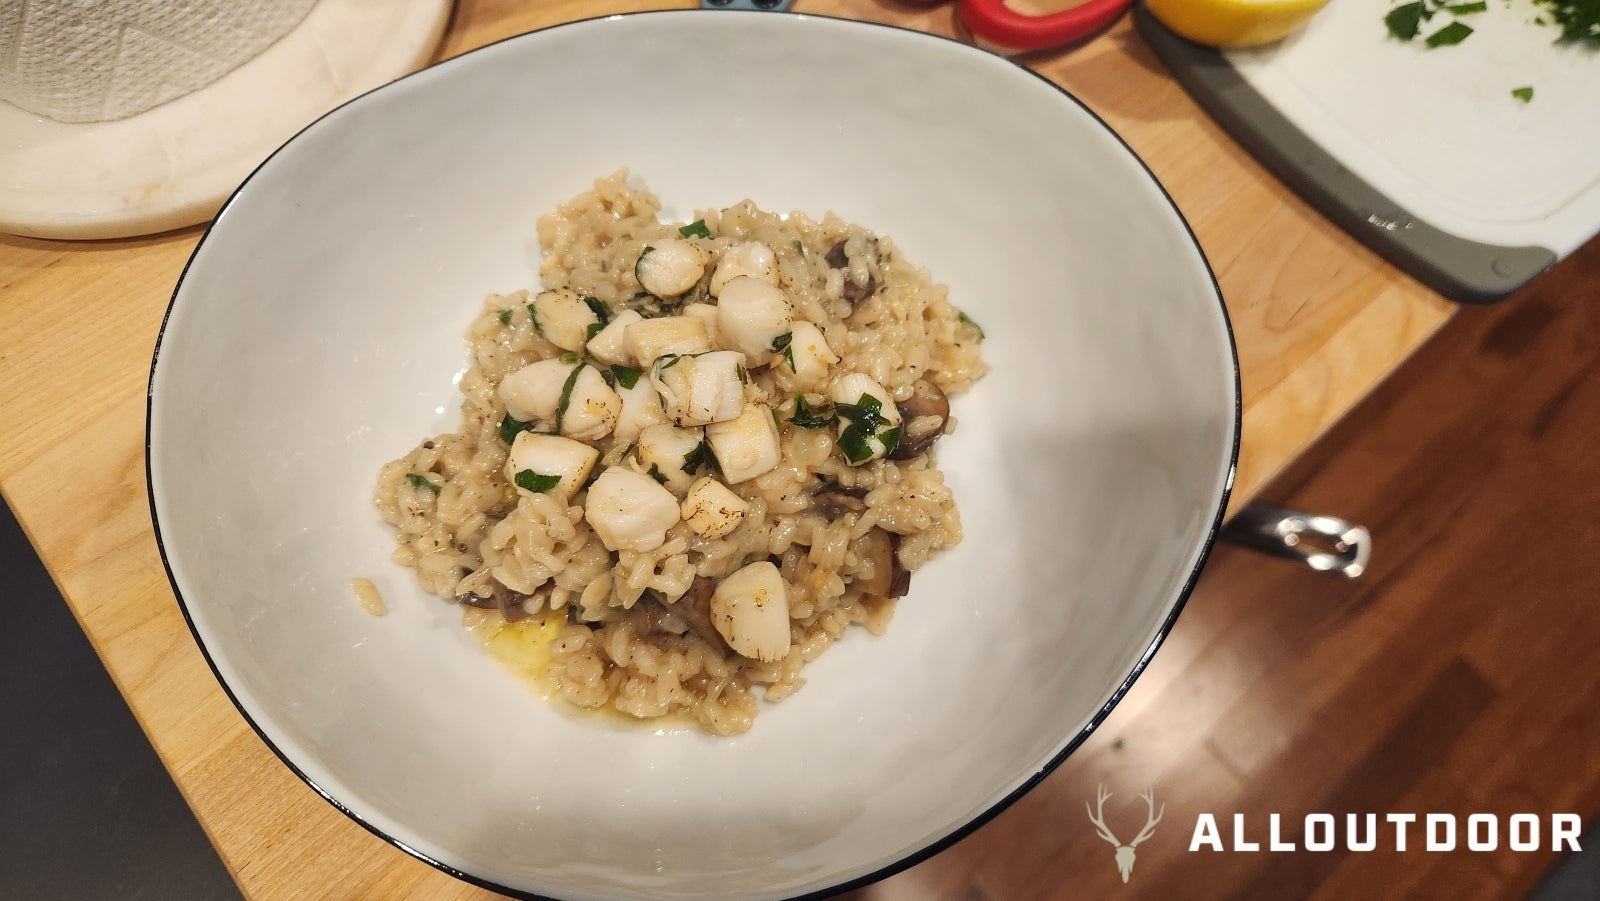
column 1125, row 852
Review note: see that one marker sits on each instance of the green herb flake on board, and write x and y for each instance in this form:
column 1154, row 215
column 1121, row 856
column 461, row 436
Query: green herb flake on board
column 1405, row 20
column 1525, row 94
column 536, row 482
column 1451, row 34
column 1467, row 9
column 1579, row 20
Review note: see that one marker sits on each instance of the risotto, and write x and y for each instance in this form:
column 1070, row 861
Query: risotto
column 694, row 459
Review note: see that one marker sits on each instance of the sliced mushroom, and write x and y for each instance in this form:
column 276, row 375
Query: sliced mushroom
column 838, row 258
column 653, row 617
column 925, row 415
column 900, row 585
column 834, row 500
column 470, row 599
column 508, row 602
column 889, row 578
column 695, row 609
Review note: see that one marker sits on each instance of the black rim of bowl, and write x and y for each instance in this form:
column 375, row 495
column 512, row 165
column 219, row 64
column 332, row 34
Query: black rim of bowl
column 911, row 858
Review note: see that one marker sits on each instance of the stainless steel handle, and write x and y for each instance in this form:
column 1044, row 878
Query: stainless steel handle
column 1324, row 543
column 765, row 5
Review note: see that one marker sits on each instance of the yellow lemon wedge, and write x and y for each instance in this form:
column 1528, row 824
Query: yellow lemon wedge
column 1234, row 23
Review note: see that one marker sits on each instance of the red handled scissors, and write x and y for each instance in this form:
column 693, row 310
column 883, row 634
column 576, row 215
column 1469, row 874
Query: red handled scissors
column 997, row 26
column 1002, row 29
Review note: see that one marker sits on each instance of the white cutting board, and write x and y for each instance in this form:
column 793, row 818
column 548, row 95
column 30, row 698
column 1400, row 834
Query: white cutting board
column 1438, row 130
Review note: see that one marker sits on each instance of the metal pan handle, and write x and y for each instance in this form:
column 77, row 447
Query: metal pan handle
column 1323, row 543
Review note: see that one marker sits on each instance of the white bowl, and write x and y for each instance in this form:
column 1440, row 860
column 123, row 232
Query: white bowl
column 316, row 331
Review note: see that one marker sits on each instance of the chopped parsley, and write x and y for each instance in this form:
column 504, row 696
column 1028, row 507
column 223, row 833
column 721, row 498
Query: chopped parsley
column 865, row 416
column 1405, row 21
column 533, row 317
column 807, row 417
column 890, row 439
column 510, row 428
column 505, row 317
column 695, row 458
column 421, row 481
column 655, row 473
column 626, row 376
column 788, row 354
column 594, row 329
column 695, row 229
column 866, row 412
column 599, row 308
column 799, row 248
column 854, row 444
column 782, row 341
column 1579, row 20
column 1454, row 33
column 571, row 358
column 744, row 376
column 974, row 323
column 566, row 395
column 536, row 482
column 640, row 262
column 1525, row 94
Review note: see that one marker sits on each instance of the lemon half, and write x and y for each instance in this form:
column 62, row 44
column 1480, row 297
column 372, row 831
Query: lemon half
column 1234, row 23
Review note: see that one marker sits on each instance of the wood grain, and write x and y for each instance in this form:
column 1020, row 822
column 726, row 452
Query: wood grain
column 1461, row 675
column 1319, row 321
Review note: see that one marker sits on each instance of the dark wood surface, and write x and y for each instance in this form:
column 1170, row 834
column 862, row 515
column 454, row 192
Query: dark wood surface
column 1461, row 675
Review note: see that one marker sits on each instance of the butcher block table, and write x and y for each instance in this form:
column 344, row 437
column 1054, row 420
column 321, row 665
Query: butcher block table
column 1318, row 318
